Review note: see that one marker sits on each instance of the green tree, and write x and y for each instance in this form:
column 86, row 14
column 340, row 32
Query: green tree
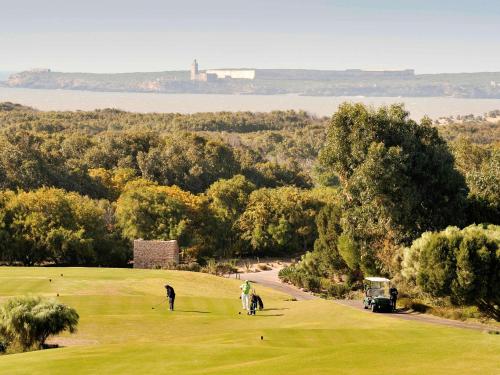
column 481, row 168
column 227, row 201
column 150, row 211
column 280, row 220
column 21, row 163
column 114, row 180
column 51, row 225
column 461, row 264
column 330, row 262
column 397, row 178
column 29, row 321
column 189, row 161
column 120, row 149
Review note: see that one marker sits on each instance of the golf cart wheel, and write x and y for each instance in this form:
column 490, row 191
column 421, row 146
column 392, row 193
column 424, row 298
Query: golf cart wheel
column 365, row 307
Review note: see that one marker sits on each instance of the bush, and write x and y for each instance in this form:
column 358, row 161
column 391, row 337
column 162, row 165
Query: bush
column 462, row 265
column 3, row 345
column 441, row 307
column 338, row 290
column 286, row 274
column 28, row 321
column 191, row 266
column 219, row 268
column 311, row 283
column 411, row 304
column 292, row 274
column 301, row 279
column 225, row 268
column 264, row 267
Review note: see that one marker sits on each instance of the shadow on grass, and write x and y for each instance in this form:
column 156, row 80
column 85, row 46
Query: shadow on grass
column 267, row 315
column 193, row 311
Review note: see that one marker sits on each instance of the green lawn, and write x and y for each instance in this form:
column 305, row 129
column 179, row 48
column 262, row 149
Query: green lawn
column 119, row 332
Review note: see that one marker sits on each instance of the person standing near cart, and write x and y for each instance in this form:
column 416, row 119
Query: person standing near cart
column 393, row 295
column 170, row 296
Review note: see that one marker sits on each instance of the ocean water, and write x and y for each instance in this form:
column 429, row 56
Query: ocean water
column 433, row 107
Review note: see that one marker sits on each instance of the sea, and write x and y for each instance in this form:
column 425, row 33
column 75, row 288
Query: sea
column 59, row 100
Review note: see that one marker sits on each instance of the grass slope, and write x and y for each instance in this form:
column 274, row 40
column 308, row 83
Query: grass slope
column 119, row 332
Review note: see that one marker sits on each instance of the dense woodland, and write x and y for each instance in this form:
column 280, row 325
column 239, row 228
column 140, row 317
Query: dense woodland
column 353, row 194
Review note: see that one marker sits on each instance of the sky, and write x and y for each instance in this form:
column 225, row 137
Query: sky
column 429, row 36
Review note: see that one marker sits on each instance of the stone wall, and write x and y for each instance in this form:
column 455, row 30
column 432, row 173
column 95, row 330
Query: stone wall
column 155, row 254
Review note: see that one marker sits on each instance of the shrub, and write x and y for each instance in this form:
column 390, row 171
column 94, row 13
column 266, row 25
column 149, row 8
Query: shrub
column 29, row 321
column 219, row 268
column 462, row 265
column 441, row 307
column 311, row 283
column 286, row 274
column 411, row 304
column 264, row 267
column 191, row 266
column 225, row 268
column 338, row 290
column 3, row 345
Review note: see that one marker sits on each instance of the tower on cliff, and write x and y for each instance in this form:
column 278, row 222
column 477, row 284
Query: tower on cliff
column 194, row 70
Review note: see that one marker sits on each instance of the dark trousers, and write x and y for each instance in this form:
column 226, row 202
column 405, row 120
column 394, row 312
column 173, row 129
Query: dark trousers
column 253, row 307
column 171, row 303
column 393, row 303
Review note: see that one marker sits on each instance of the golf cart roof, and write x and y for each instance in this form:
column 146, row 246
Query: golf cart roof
column 377, row 279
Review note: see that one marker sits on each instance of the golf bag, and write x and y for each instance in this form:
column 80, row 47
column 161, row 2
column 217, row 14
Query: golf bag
column 253, row 304
column 260, row 303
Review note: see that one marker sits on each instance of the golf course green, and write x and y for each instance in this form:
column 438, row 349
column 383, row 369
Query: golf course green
column 121, row 332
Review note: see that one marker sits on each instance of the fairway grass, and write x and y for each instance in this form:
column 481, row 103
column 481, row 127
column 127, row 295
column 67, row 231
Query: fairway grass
column 120, row 332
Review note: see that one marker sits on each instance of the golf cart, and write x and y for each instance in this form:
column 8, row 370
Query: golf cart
column 377, row 294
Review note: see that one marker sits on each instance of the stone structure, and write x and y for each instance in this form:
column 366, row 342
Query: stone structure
column 194, row 70
column 155, row 254
column 196, row 75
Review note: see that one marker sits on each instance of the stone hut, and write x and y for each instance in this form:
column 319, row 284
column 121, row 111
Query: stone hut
column 155, row 254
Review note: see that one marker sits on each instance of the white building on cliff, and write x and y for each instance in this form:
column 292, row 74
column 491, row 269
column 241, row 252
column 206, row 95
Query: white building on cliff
column 214, row 74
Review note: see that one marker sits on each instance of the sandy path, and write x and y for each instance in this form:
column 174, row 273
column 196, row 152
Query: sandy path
column 271, row 280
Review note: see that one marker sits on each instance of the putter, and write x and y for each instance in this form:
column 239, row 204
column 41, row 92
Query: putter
column 157, row 305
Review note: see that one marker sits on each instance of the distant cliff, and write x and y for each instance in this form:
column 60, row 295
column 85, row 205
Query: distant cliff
column 275, row 81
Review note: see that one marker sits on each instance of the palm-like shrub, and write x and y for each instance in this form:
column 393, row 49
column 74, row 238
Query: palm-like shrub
column 27, row 322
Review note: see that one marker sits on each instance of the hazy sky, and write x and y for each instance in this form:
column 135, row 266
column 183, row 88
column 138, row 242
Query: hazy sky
column 155, row 35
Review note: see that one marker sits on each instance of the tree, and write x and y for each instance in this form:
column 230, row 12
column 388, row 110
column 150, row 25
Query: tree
column 397, row 179
column 150, row 211
column 29, row 321
column 330, row 261
column 481, row 168
column 189, row 161
column 51, row 225
column 5, row 196
column 227, row 201
column 461, row 264
column 280, row 220
column 113, row 181
column 21, row 163
column 120, row 149
column 269, row 174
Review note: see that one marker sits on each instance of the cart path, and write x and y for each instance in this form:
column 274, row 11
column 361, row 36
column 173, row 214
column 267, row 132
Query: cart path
column 270, row 279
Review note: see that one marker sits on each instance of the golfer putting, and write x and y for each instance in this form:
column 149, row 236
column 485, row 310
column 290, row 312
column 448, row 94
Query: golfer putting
column 170, row 296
